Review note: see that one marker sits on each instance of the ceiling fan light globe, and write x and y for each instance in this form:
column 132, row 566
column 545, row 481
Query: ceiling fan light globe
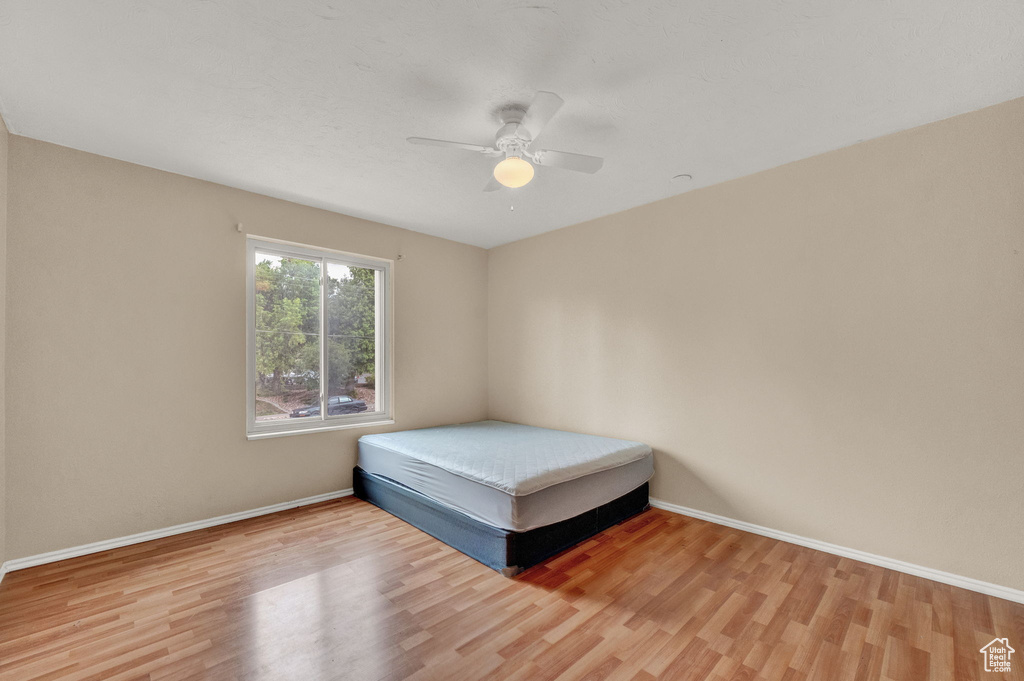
column 513, row 172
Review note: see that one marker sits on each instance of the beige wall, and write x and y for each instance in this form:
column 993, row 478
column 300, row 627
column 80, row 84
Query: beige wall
column 4, row 137
column 126, row 309
column 834, row 348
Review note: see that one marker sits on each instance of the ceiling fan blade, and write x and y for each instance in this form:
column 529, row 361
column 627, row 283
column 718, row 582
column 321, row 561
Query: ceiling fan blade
column 569, row 161
column 454, row 145
column 493, row 185
column 542, row 108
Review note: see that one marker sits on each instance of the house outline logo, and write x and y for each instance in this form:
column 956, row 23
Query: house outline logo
column 997, row 654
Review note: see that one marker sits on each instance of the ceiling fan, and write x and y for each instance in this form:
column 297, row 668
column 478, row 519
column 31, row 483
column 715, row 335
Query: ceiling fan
column 515, row 141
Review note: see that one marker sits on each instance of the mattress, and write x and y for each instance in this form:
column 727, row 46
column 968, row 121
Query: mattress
column 508, row 475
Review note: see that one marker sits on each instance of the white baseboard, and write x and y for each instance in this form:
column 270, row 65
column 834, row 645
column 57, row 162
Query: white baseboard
column 968, row 583
column 107, row 544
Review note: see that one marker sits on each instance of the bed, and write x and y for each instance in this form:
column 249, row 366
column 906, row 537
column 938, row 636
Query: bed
column 505, row 494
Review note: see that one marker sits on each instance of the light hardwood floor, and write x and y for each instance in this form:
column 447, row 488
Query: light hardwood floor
column 342, row 590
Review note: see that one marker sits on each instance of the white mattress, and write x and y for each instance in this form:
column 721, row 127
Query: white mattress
column 508, row 475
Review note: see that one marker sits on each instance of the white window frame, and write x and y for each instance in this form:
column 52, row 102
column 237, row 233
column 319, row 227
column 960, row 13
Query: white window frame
column 385, row 356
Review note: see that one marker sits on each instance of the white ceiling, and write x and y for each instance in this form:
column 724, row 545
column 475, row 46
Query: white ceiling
column 311, row 100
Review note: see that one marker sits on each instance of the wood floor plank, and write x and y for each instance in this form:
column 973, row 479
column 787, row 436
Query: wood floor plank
column 343, row 590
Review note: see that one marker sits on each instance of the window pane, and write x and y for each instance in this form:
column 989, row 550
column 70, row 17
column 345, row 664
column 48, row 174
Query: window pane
column 287, row 309
column 351, row 329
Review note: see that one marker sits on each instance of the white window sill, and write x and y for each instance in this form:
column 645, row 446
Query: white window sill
column 263, row 435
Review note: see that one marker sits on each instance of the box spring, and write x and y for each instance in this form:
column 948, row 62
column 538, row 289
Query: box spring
column 506, row 551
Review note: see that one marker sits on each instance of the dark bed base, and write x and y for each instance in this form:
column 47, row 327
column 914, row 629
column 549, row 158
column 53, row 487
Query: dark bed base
column 503, row 550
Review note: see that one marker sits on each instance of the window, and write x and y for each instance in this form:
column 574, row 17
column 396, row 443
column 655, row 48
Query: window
column 318, row 348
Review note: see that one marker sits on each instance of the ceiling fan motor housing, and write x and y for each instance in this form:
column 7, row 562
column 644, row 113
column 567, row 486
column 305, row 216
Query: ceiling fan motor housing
column 513, row 139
